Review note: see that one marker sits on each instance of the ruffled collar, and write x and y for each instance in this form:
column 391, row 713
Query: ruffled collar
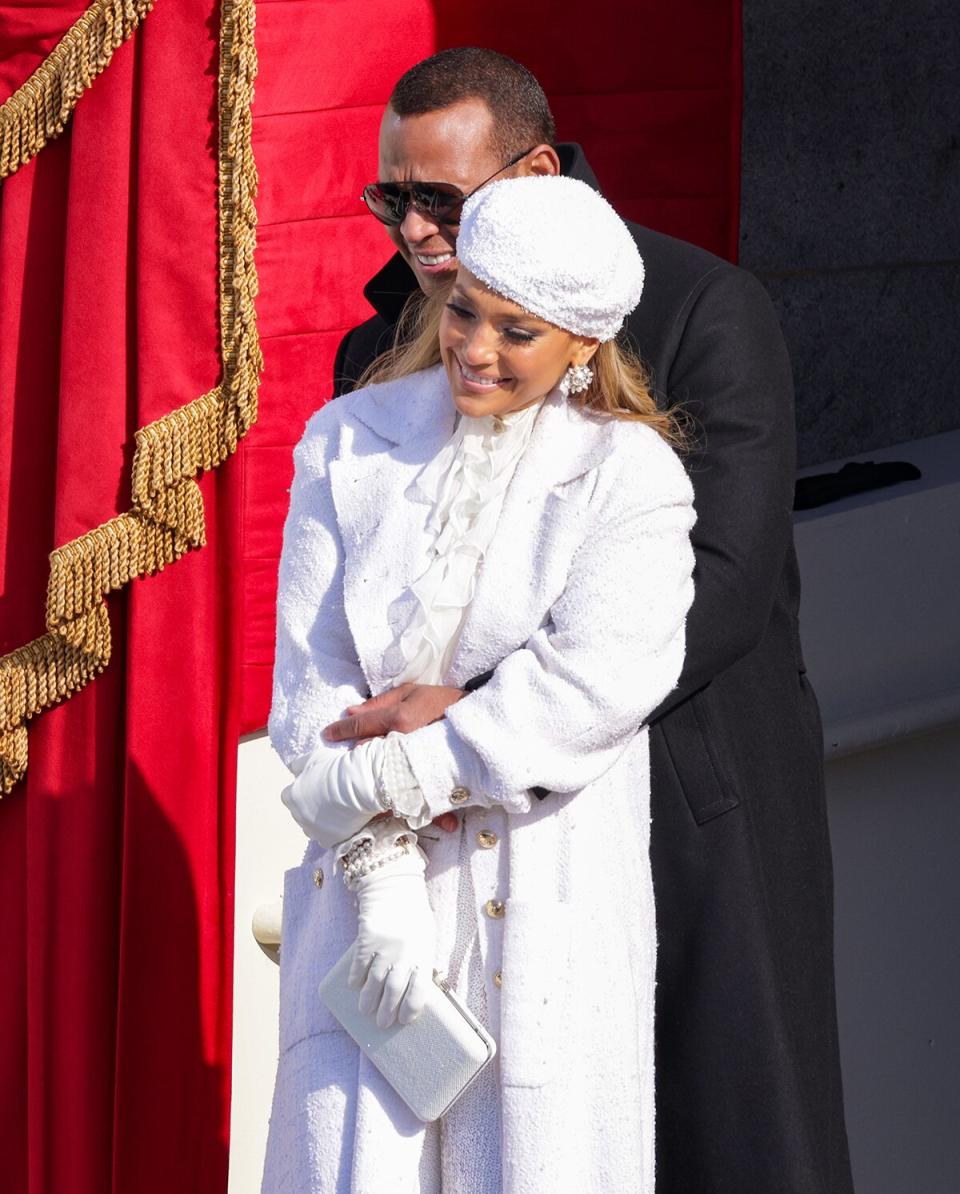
column 483, row 451
column 464, row 484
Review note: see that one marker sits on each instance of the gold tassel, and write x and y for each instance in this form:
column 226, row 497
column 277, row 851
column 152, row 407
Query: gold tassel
column 13, row 757
column 167, row 518
column 48, row 669
column 38, row 111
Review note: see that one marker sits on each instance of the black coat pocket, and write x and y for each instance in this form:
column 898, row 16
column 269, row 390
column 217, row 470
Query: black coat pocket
column 691, row 737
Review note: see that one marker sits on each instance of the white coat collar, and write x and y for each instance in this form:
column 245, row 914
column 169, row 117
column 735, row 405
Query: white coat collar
column 418, row 410
column 418, row 407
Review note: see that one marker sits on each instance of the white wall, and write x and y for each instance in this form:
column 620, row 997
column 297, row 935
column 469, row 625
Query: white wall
column 268, row 842
column 895, row 823
column 881, row 576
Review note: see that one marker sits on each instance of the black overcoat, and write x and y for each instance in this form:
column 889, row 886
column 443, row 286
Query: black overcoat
column 747, row 1070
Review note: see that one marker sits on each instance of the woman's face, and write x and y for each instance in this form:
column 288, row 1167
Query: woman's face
column 498, row 357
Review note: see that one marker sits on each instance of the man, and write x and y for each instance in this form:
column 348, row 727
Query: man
column 748, row 1082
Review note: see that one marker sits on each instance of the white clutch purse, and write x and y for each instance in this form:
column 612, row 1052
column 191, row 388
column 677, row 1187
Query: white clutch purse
column 429, row 1063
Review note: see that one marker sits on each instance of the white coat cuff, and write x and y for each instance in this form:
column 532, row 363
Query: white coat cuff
column 450, row 774
column 399, row 786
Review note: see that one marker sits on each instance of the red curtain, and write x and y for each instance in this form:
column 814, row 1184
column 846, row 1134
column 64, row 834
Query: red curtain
column 116, row 854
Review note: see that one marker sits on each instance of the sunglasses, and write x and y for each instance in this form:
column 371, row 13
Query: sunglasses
column 440, row 201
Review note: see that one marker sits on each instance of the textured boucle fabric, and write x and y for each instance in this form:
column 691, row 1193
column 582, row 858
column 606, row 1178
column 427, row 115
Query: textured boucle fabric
column 556, row 248
column 580, row 607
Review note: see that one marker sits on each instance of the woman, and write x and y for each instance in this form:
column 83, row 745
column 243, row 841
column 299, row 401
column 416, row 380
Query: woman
column 506, row 501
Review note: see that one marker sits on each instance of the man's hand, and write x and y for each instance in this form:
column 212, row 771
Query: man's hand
column 402, row 710
column 405, row 709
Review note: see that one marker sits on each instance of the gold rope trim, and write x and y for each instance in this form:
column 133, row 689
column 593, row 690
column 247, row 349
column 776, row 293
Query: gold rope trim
column 39, row 110
column 167, row 518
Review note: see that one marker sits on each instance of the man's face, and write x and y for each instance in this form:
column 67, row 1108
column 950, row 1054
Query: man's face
column 453, row 145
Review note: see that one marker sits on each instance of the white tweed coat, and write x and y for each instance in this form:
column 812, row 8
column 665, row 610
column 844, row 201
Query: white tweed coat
column 580, row 607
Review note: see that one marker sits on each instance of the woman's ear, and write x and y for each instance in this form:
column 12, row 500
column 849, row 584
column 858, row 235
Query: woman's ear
column 584, row 351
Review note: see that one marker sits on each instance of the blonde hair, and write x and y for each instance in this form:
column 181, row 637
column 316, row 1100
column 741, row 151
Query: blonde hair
column 620, row 388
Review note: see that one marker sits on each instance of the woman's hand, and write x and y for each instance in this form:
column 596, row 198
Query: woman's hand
column 404, row 709
column 393, row 956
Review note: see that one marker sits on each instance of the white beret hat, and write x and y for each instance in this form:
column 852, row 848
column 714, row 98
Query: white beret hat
column 556, row 248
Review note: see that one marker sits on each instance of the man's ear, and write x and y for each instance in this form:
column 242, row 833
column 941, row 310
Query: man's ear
column 542, row 160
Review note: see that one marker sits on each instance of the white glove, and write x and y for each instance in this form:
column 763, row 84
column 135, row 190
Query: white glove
column 335, row 793
column 393, row 956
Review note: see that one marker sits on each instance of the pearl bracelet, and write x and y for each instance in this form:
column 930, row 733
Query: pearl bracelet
column 381, row 842
column 361, row 859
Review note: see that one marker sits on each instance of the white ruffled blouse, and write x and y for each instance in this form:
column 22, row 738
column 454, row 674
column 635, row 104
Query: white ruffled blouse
column 465, row 484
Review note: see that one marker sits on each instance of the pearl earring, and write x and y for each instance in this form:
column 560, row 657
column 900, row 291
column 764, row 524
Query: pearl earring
column 576, row 379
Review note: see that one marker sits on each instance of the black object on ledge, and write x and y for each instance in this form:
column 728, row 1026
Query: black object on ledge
column 855, row 477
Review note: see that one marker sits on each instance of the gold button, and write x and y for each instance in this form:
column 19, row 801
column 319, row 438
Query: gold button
column 486, row 839
column 459, row 795
column 498, row 979
column 495, row 909
column 318, row 877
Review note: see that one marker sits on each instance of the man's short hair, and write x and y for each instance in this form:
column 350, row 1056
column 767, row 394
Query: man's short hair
column 521, row 114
